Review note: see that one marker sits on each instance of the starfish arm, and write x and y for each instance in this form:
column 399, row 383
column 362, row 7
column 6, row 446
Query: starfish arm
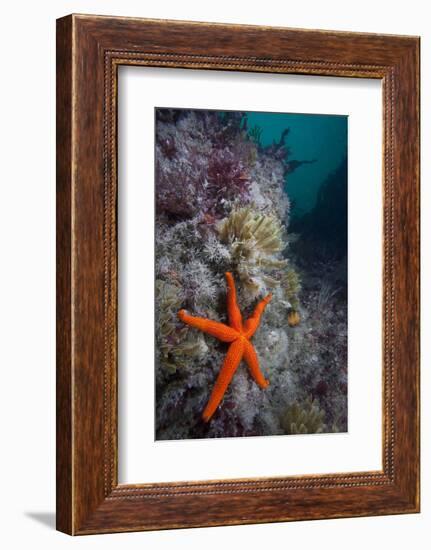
column 252, row 361
column 234, row 313
column 219, row 330
column 230, row 364
column 250, row 326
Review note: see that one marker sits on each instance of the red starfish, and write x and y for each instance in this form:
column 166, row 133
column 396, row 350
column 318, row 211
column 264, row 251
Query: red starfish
column 238, row 335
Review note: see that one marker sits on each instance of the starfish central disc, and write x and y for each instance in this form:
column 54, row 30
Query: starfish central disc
column 238, row 335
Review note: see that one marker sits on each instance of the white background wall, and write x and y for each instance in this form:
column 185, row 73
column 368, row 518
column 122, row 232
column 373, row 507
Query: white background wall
column 27, row 280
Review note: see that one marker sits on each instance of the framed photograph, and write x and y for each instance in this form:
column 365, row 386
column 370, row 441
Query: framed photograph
column 237, row 274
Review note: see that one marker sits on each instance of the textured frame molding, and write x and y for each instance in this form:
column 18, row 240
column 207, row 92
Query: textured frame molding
column 89, row 51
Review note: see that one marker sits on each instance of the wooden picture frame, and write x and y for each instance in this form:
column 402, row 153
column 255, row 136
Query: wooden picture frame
column 89, row 51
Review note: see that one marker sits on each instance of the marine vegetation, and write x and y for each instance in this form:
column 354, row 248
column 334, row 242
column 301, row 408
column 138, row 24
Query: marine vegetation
column 255, row 134
column 222, row 207
column 303, row 418
column 238, row 335
column 177, row 348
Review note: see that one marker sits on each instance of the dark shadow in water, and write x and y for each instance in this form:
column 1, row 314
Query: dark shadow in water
column 323, row 229
column 45, row 518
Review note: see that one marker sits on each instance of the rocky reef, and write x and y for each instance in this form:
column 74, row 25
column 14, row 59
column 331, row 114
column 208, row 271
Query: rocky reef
column 221, row 205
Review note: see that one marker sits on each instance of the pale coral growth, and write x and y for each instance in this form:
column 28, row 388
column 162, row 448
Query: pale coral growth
column 201, row 287
column 176, row 345
column 216, row 252
column 245, row 389
column 192, row 347
column 303, row 418
column 255, row 241
column 277, row 345
column 245, row 227
column 267, row 187
column 169, row 332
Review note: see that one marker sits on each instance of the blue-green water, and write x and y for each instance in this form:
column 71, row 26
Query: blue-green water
column 322, row 138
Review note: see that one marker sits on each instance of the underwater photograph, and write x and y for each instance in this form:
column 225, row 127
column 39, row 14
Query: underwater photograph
column 250, row 273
